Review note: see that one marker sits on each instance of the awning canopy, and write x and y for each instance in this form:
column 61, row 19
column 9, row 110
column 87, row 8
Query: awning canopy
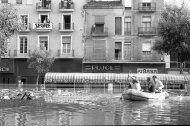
column 109, row 77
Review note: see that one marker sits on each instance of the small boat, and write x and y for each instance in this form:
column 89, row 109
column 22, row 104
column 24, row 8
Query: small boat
column 135, row 95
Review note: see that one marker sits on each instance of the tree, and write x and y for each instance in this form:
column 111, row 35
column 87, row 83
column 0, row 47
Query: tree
column 174, row 32
column 41, row 61
column 9, row 23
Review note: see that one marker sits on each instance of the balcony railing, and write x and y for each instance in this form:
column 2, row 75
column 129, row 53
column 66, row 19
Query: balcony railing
column 43, row 7
column 66, row 6
column 147, row 7
column 26, row 28
column 69, row 53
column 42, row 27
column 99, row 33
column 66, row 27
column 147, row 31
column 22, row 53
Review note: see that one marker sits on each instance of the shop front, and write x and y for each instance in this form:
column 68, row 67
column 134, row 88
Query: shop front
column 140, row 68
column 7, row 71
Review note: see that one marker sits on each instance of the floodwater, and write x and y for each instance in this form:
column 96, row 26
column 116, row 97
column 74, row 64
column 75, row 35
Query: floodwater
column 103, row 108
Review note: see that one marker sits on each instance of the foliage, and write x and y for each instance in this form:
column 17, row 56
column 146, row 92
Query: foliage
column 40, row 60
column 9, row 23
column 174, row 32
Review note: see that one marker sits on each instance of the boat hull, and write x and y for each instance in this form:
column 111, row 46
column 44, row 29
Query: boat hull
column 135, row 95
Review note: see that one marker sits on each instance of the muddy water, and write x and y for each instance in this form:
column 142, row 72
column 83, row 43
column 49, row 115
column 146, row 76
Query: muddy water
column 102, row 108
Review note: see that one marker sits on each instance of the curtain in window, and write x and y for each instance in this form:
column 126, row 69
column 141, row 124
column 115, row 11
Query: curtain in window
column 44, row 42
column 66, row 42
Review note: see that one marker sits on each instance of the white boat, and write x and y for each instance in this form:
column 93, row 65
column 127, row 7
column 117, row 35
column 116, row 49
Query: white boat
column 135, row 95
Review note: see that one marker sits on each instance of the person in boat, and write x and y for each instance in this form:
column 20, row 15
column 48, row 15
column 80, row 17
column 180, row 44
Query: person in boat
column 134, row 84
column 151, row 85
column 158, row 84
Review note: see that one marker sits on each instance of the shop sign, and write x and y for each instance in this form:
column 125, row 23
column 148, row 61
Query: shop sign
column 6, row 66
column 147, row 70
column 102, row 68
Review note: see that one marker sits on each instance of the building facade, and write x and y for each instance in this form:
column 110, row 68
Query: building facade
column 120, row 36
column 55, row 24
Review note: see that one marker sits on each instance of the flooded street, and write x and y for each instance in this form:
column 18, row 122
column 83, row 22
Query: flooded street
column 103, row 108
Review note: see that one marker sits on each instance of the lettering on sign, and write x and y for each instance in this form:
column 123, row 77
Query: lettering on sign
column 42, row 26
column 102, row 67
column 4, row 69
column 147, row 70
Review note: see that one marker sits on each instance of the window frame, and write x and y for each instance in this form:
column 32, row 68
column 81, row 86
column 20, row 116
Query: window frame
column 121, row 51
column 43, row 14
column 147, row 52
column 71, row 48
column 19, row 47
column 47, row 42
column 71, row 22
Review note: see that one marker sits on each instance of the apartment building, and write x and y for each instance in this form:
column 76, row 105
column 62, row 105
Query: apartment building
column 56, row 24
column 120, row 35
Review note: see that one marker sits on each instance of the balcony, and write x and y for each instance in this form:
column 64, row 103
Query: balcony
column 43, row 7
column 66, row 27
column 97, row 32
column 147, row 7
column 147, row 31
column 21, row 54
column 65, row 54
column 26, row 28
column 66, row 6
column 42, row 27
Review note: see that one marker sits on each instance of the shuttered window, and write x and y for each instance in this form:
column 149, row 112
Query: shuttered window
column 146, row 48
column 4, row 1
column 118, row 22
column 99, row 51
column 18, row 1
column 99, row 19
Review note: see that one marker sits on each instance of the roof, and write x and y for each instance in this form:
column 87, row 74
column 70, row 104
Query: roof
column 103, row 4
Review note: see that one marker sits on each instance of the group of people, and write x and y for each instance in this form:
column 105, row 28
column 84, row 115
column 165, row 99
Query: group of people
column 154, row 84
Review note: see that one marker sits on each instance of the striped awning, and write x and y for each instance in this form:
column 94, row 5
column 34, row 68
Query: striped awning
column 109, row 77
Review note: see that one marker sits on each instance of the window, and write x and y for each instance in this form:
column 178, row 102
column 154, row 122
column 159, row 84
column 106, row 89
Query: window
column 44, row 18
column 45, row 3
column 146, row 22
column 4, row 1
column 24, row 19
column 127, row 50
column 43, row 41
column 23, row 47
column 66, row 44
column 118, row 26
column 146, row 5
column 18, row 1
column 99, row 49
column 146, row 48
column 118, row 50
column 66, row 21
column 99, row 25
column 29, row 1
column 127, row 25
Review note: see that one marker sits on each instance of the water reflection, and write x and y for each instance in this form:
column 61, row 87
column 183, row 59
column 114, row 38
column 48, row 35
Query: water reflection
column 102, row 109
